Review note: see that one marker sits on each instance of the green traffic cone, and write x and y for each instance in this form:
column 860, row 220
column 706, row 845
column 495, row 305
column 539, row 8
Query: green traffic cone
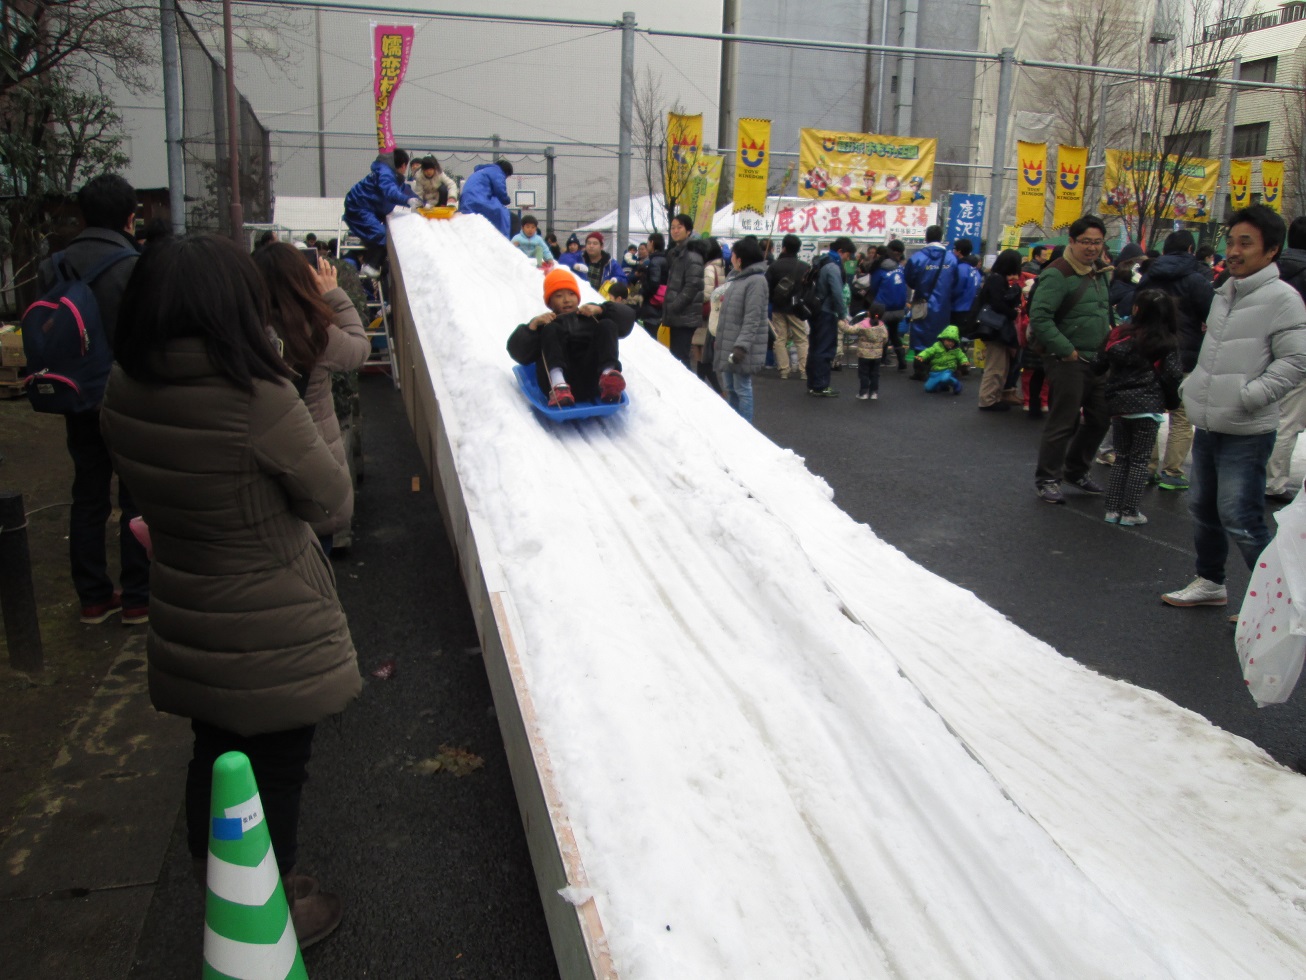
column 248, row 933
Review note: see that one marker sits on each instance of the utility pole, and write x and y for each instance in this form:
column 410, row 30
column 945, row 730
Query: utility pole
column 726, row 116
column 1226, row 150
column 233, row 127
column 1006, row 80
column 624, row 153
column 172, row 115
column 907, row 70
column 321, row 123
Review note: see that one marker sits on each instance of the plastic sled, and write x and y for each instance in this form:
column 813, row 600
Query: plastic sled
column 540, row 401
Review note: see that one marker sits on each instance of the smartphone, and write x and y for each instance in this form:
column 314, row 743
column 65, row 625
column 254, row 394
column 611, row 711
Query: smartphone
column 309, row 253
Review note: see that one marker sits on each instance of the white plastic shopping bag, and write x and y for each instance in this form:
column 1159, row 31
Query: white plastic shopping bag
column 1271, row 635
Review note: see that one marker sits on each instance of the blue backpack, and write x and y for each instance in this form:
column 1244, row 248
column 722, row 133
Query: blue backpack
column 68, row 353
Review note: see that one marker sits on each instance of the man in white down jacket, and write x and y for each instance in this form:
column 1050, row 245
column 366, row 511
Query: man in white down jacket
column 1253, row 354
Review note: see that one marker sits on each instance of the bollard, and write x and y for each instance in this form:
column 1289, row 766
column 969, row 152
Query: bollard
column 17, row 598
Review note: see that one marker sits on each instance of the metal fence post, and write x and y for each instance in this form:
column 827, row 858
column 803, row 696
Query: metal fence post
column 624, row 153
column 549, row 156
column 233, row 128
column 1226, row 150
column 172, row 115
column 17, row 598
column 1006, row 80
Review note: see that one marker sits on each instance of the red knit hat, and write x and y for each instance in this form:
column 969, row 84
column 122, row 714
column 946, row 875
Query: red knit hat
column 559, row 278
column 595, row 234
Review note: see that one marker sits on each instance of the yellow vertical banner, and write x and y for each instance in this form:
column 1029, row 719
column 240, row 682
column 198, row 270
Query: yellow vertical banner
column 1032, row 185
column 1068, row 191
column 1240, row 183
column 1272, row 184
column 752, row 165
column 684, row 139
column 698, row 200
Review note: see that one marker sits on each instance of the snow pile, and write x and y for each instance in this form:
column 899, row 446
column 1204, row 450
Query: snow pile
column 770, row 771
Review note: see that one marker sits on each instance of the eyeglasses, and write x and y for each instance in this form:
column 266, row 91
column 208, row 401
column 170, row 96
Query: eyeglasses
column 1090, row 242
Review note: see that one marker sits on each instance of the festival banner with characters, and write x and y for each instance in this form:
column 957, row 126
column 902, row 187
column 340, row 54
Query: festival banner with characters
column 1272, row 184
column 752, row 165
column 1131, row 177
column 391, row 48
column 698, row 199
column 684, row 140
column 830, row 219
column 1068, row 191
column 865, row 168
column 1240, row 183
column 1031, row 185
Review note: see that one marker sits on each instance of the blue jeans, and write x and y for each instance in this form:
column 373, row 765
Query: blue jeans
column 738, row 389
column 1227, row 498
column 942, row 379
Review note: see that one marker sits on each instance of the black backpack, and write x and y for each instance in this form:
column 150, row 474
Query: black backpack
column 67, row 350
column 807, row 299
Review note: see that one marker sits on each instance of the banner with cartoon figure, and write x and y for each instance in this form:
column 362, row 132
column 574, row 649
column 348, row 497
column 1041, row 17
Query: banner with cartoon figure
column 865, row 168
column 391, row 48
column 1068, row 191
column 1133, row 177
column 752, row 164
column 1272, row 184
column 1031, row 185
column 684, row 140
column 1240, row 183
column 698, row 200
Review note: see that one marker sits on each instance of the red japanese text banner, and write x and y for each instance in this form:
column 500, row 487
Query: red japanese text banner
column 830, row 219
column 391, row 48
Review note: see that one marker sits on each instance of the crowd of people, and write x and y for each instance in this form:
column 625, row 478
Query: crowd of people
column 218, row 416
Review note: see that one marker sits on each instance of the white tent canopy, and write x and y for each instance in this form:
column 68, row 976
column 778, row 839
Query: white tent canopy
column 641, row 218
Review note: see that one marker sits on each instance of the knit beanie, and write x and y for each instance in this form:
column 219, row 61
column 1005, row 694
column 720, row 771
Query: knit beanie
column 595, row 234
column 559, row 278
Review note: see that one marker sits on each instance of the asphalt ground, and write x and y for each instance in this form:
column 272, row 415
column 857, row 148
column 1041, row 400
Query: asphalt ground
column 433, row 868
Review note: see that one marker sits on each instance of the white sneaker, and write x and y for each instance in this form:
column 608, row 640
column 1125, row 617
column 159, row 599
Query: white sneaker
column 369, row 271
column 875, row 396
column 1133, row 520
column 1199, row 592
column 862, row 398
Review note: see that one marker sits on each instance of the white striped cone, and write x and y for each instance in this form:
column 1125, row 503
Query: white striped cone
column 248, row 933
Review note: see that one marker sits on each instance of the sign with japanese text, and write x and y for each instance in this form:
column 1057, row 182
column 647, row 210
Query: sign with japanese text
column 1187, row 187
column 391, row 48
column 1031, row 182
column 1068, row 191
column 863, row 168
column 1272, row 184
column 830, row 219
column 752, row 164
column 966, row 219
column 699, row 197
column 684, row 140
column 1240, row 183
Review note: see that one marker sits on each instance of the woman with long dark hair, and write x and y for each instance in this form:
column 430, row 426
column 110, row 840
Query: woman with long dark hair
column 322, row 334
column 247, row 637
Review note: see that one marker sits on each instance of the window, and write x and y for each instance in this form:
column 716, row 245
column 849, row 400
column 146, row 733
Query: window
column 1292, row 12
column 1193, row 88
column 1259, row 71
column 1189, row 145
column 893, row 84
column 1251, row 140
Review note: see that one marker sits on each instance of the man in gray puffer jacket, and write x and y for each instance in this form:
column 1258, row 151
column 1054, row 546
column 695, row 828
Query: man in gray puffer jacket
column 1253, row 354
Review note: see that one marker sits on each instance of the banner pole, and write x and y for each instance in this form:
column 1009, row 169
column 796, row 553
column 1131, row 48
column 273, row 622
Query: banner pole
column 1006, row 80
column 624, row 153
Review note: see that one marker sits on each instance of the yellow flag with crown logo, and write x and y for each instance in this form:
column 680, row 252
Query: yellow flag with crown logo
column 1272, row 184
column 752, row 165
column 1031, row 182
column 1240, row 183
column 1068, row 191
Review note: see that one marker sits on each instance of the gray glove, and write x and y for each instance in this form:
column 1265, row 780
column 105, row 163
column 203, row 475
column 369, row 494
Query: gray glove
column 414, row 202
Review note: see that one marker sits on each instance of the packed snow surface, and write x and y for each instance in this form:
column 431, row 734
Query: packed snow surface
column 770, row 770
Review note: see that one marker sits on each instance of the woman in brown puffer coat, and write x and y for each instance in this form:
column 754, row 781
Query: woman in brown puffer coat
column 247, row 637
column 322, row 333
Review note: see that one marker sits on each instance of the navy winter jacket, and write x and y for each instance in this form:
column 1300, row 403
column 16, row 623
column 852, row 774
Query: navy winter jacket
column 485, row 193
column 372, row 198
column 889, row 286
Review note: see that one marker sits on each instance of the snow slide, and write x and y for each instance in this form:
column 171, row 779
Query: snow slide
column 768, row 771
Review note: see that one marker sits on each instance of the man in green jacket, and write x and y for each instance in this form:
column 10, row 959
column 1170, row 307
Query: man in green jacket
column 1069, row 318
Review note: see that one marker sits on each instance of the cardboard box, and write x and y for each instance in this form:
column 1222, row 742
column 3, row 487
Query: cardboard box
column 11, row 350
